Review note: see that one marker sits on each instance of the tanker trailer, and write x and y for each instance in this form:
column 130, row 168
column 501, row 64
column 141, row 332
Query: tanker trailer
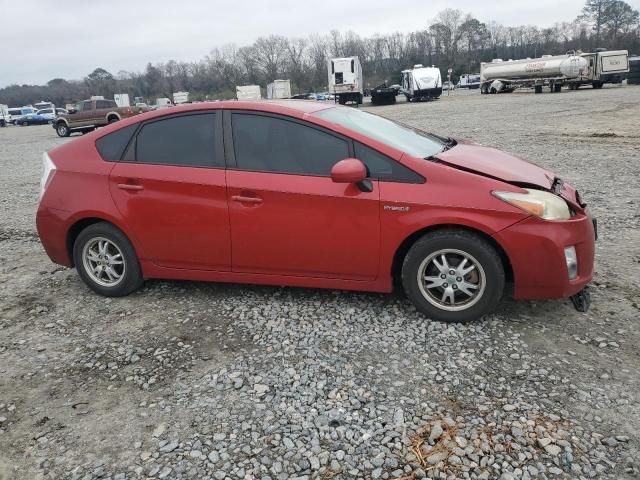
column 552, row 71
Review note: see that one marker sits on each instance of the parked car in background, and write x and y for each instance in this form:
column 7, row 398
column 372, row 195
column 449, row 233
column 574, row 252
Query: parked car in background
column 91, row 114
column 41, row 117
column 15, row 114
column 311, row 194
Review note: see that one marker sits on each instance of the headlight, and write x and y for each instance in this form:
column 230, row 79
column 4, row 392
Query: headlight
column 545, row 205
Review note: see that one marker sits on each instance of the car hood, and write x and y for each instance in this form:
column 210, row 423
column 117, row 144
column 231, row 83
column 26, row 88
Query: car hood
column 496, row 164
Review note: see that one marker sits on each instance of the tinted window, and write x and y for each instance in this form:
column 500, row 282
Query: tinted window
column 86, row 106
column 185, row 140
column 111, row 146
column 105, row 104
column 384, row 168
column 270, row 144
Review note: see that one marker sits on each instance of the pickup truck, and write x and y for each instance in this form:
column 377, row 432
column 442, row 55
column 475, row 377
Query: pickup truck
column 91, row 114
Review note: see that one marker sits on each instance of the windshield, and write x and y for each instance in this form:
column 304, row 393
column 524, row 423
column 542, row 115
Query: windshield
column 414, row 142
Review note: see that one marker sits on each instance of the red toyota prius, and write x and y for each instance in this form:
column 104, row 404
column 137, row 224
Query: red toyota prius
column 316, row 195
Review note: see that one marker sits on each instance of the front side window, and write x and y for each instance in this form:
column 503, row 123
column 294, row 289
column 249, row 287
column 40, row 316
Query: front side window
column 187, row 140
column 384, row 168
column 405, row 139
column 86, row 106
column 270, row 144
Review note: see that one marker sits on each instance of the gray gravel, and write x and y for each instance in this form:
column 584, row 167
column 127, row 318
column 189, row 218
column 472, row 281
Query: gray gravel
column 210, row 381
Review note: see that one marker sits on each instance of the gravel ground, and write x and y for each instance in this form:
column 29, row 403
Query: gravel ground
column 211, row 381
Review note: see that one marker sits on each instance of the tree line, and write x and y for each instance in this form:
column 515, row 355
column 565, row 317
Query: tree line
column 453, row 39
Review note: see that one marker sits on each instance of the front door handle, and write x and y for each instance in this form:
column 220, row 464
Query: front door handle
column 130, row 186
column 243, row 199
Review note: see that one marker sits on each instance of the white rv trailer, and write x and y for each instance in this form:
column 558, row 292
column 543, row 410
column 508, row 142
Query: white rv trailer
column 553, row 71
column 248, row 92
column 279, row 89
column 602, row 67
column 345, row 80
column 421, row 83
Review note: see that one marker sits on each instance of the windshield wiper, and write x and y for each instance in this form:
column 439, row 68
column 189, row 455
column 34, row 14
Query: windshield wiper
column 449, row 143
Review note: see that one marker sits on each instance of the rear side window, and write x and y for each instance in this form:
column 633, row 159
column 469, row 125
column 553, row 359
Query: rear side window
column 105, row 104
column 384, row 168
column 111, row 146
column 187, row 140
column 269, row 144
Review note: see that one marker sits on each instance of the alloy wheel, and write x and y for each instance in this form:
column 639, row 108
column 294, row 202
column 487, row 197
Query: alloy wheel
column 451, row 279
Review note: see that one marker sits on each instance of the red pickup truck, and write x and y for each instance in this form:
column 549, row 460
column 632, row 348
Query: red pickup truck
column 91, row 114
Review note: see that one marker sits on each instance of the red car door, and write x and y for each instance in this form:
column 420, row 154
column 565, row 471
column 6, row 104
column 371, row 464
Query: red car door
column 170, row 189
column 287, row 216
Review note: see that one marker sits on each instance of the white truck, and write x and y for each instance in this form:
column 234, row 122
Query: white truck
column 279, row 89
column 603, row 66
column 248, row 92
column 421, row 83
column 500, row 76
column 469, row 80
column 345, row 80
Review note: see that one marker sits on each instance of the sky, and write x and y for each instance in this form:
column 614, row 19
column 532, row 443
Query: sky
column 45, row 39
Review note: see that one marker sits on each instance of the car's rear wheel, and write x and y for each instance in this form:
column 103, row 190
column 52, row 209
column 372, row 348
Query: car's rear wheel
column 62, row 129
column 453, row 276
column 106, row 260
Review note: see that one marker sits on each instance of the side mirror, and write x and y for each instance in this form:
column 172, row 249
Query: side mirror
column 349, row 170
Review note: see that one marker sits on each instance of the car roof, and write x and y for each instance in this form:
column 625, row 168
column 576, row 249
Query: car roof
column 295, row 108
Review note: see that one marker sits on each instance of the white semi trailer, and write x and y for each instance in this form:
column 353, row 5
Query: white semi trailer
column 248, row 92
column 345, row 80
column 279, row 89
column 421, row 83
column 552, row 71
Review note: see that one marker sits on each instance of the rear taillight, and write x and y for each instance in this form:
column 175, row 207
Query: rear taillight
column 48, row 169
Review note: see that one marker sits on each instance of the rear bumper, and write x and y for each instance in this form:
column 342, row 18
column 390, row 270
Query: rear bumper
column 428, row 92
column 52, row 230
column 536, row 250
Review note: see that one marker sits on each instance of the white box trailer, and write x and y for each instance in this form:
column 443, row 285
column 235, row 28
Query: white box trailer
column 122, row 99
column 279, row 89
column 345, row 80
column 603, row 66
column 248, row 92
column 180, row 97
column 4, row 115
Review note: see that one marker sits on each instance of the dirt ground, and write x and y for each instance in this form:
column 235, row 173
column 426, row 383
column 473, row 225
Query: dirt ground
column 103, row 388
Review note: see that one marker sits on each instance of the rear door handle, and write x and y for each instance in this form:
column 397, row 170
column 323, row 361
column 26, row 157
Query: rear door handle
column 243, row 199
column 130, row 186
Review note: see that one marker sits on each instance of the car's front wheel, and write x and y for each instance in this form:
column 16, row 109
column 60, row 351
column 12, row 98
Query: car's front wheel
column 453, row 276
column 106, row 260
column 62, row 129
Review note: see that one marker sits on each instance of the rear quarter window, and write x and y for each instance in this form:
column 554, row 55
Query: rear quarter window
column 112, row 146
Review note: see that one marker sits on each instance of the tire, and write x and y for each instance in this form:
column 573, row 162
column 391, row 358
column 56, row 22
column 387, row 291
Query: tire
column 62, row 129
column 538, row 89
column 25, row 124
column 112, row 120
column 487, row 276
column 113, row 280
